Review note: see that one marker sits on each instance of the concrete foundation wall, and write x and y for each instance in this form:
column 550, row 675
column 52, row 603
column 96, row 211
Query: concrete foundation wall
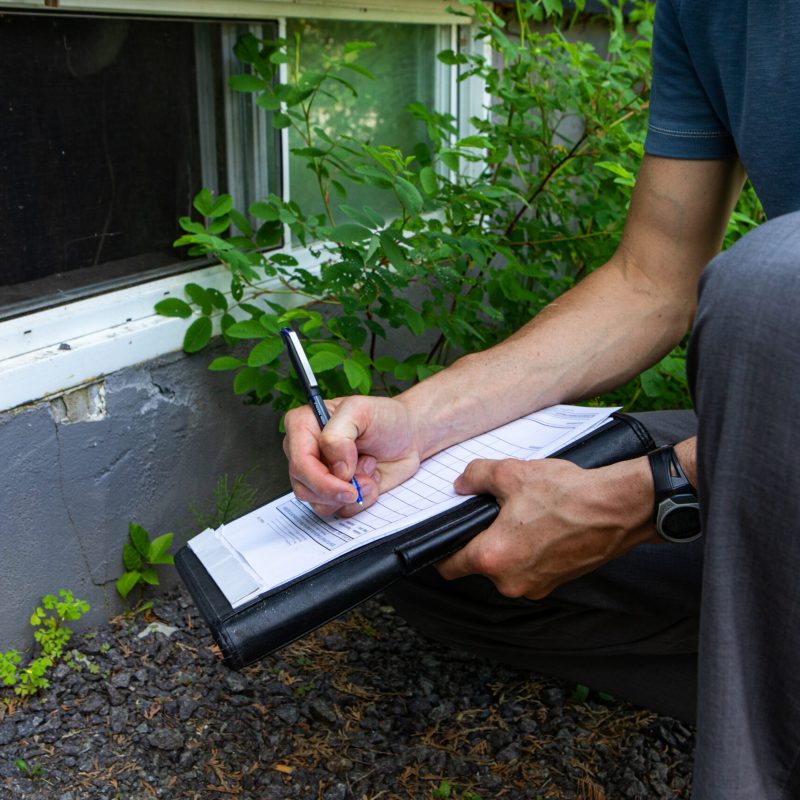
column 141, row 445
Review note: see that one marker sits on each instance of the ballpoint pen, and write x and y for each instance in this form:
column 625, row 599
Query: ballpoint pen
column 310, row 386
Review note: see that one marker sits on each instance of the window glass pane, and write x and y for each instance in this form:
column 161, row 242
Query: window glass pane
column 109, row 128
column 403, row 63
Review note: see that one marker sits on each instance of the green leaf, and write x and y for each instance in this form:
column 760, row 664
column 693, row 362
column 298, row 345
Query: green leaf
column 265, row 382
column 218, row 299
column 247, row 83
column 617, row 169
column 220, row 225
column 265, row 352
column 198, row 335
column 553, row 7
column 284, row 259
column 203, row 201
column 355, row 214
column 355, row 373
column 189, row 225
column 409, row 195
column 405, row 372
column 356, row 47
column 200, row 296
column 224, row 363
column 159, row 549
column 414, row 321
column 139, row 537
column 269, row 234
column 268, row 101
column 247, row 48
column 350, row 233
column 245, row 381
column 392, row 249
column 652, row 382
column 473, row 141
column 450, row 58
column 263, row 210
column 173, row 307
column 449, row 159
column 386, row 364
column 428, row 180
column 308, row 152
column 149, row 576
column 131, row 557
column 247, row 329
column 375, row 219
column 281, row 120
column 374, row 176
column 359, row 69
column 241, row 222
column 325, row 360
column 126, row 582
column 221, row 206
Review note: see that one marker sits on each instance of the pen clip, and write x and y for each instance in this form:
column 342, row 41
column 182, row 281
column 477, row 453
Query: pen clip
column 299, row 360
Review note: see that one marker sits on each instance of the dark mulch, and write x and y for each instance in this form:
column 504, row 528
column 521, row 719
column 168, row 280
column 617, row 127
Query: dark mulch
column 363, row 709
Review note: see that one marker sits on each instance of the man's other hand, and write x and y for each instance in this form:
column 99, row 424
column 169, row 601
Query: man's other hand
column 556, row 522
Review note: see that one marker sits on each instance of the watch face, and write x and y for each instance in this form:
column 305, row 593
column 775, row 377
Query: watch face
column 679, row 518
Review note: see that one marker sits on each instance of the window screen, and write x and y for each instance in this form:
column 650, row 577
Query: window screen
column 102, row 146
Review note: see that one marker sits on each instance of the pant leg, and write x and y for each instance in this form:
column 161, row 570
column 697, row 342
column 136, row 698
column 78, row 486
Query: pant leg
column 628, row 628
column 745, row 373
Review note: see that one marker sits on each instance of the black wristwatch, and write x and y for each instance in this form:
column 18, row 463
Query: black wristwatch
column 677, row 512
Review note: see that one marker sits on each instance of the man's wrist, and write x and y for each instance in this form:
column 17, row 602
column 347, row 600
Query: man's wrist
column 626, row 493
column 686, row 451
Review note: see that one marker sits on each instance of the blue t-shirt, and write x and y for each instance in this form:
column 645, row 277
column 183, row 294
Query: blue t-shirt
column 726, row 81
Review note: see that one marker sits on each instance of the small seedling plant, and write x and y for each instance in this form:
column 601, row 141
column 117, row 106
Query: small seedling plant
column 233, row 496
column 141, row 555
column 52, row 635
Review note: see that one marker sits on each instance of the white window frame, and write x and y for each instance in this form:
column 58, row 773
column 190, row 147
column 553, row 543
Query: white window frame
column 48, row 352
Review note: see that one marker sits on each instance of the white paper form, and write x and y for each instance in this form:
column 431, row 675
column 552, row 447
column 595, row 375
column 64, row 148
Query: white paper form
column 285, row 538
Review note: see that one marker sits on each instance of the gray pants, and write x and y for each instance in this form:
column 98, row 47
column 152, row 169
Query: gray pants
column 631, row 627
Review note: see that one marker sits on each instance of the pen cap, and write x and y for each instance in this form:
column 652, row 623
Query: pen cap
column 298, row 358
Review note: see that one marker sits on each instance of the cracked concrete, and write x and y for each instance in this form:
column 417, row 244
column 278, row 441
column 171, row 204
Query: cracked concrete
column 140, row 446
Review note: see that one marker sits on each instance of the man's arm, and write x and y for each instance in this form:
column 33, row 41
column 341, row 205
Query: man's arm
column 619, row 320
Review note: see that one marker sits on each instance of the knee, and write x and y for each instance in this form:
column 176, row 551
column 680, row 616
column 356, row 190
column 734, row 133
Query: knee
column 754, row 281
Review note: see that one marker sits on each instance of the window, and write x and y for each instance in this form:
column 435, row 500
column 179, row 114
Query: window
column 111, row 124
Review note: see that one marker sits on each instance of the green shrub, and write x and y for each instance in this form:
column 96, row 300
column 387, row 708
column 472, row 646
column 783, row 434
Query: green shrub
column 486, row 229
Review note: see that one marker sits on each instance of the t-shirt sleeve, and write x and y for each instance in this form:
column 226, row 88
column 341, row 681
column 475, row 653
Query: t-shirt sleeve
column 682, row 123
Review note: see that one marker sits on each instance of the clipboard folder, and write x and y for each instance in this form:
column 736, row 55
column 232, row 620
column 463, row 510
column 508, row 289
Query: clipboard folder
column 279, row 616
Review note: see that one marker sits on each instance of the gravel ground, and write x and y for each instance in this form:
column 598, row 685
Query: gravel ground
column 364, row 708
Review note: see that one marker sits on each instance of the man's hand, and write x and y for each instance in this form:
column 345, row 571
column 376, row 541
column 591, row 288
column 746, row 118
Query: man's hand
column 556, row 522
column 372, row 438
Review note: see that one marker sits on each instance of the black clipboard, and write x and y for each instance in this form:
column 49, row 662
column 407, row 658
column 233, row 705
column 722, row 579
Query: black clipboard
column 279, row 616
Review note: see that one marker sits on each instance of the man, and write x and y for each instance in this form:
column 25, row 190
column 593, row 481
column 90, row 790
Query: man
column 573, row 578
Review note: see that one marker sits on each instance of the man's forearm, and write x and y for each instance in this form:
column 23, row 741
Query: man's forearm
column 619, row 320
column 594, row 338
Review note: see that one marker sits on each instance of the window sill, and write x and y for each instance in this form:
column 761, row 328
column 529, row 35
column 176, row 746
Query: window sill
column 47, row 353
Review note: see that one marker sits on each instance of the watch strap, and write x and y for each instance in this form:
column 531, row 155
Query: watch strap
column 668, row 476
